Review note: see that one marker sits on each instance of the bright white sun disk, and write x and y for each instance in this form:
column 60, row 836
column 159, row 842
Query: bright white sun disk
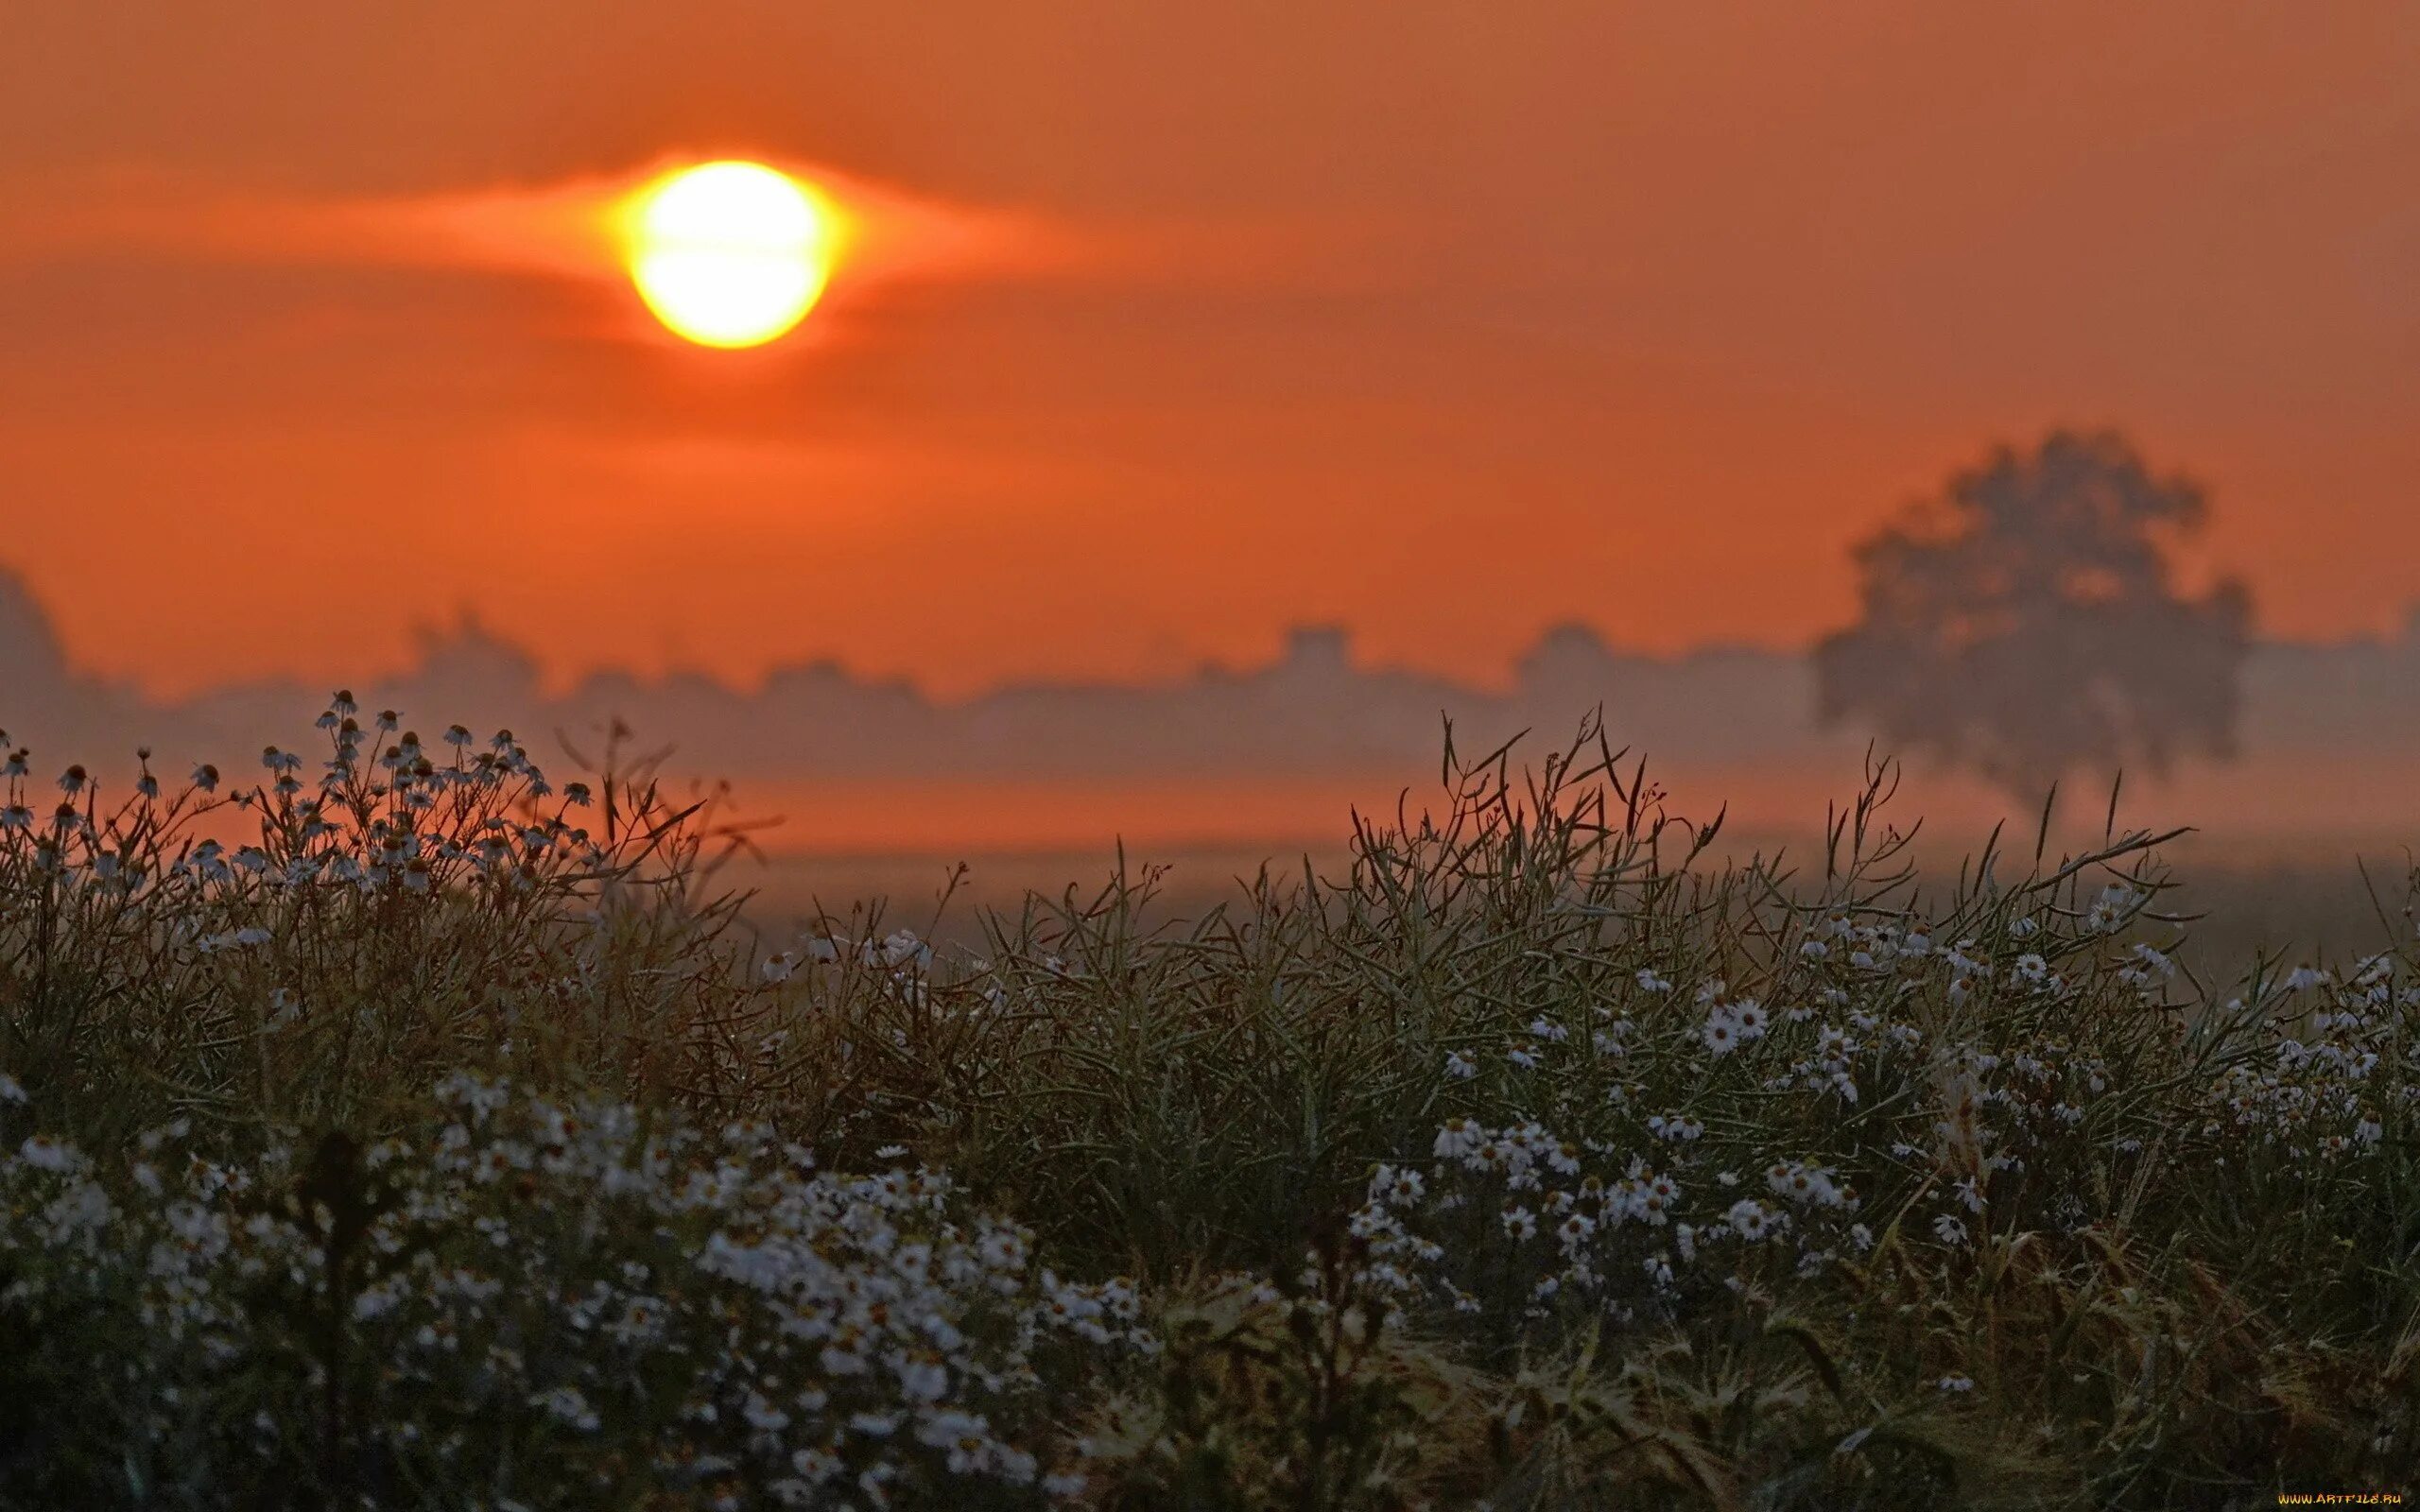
column 729, row 254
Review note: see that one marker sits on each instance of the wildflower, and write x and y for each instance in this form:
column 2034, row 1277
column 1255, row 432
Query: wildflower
column 1400, row 1186
column 1955, row 1383
column 1460, row 1066
column 1458, row 1138
column 923, row 1379
column 206, row 777
column 45, row 1154
column 1949, row 1230
column 1654, row 1200
column 902, row 947
column 1720, row 1033
column 1752, row 1220
column 1523, row 1054
column 2111, row 910
column 1799, row 1182
column 1499, row 1155
column 1520, row 1222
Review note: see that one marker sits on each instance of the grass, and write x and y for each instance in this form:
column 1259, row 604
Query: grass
column 422, row 1135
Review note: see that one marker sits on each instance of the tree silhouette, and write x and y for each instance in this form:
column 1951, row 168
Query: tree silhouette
column 2027, row 622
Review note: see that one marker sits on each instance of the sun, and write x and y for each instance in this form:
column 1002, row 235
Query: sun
column 728, row 254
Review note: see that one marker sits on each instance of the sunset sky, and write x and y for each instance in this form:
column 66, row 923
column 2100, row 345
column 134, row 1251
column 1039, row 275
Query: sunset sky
column 1173, row 326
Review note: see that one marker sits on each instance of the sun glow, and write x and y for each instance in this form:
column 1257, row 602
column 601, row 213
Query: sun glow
column 729, row 254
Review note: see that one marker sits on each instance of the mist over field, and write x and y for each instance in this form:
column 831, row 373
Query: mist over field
column 939, row 811
column 2328, row 742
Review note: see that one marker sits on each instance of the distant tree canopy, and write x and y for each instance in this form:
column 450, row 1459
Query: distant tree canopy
column 2027, row 622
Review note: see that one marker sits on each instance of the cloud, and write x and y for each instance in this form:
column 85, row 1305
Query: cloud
column 569, row 229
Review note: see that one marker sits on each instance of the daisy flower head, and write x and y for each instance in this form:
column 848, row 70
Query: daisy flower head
column 1752, row 1221
column 1457, row 1138
column 1721, row 1032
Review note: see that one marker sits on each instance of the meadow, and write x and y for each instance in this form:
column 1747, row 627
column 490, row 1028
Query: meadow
column 389, row 1125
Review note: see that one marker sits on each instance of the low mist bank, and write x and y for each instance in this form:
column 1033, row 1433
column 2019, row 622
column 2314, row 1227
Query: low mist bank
column 1273, row 757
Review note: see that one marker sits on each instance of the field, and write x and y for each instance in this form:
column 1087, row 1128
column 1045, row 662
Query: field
column 2324, row 898
column 455, row 1136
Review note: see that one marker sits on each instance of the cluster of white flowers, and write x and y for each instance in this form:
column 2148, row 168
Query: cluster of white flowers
column 1838, row 937
column 1813, row 1037
column 532, row 1277
column 384, row 814
column 2330, row 1085
column 1729, row 1023
column 1980, row 1094
column 1980, row 1098
column 900, row 954
column 1576, row 1219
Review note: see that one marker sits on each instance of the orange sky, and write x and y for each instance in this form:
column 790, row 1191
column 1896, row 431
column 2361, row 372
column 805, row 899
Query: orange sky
column 1447, row 321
